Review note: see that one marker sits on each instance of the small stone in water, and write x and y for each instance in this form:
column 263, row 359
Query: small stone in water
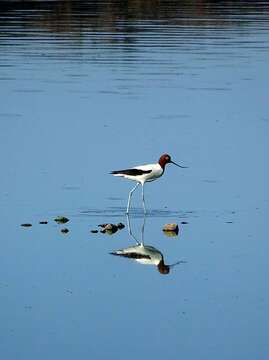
column 26, row 225
column 184, row 222
column 61, row 219
column 109, row 229
column 43, row 222
column 94, row 231
column 172, row 228
column 120, row 226
column 64, row 231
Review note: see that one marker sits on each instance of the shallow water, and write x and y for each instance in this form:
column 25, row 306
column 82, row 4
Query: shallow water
column 90, row 87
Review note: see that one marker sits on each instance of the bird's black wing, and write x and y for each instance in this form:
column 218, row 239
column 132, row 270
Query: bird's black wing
column 132, row 172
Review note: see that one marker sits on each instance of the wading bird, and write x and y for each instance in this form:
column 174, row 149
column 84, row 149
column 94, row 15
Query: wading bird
column 144, row 173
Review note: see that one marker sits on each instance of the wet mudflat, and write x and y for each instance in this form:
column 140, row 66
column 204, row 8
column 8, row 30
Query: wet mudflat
column 91, row 87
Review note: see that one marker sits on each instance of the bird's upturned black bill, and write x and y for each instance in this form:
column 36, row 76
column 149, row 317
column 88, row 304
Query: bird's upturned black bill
column 183, row 167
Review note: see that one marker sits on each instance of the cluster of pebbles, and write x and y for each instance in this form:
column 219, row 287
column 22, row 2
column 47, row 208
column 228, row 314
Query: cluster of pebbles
column 105, row 228
column 109, row 228
column 58, row 220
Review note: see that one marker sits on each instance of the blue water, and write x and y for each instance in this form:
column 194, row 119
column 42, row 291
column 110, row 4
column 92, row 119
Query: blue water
column 90, row 87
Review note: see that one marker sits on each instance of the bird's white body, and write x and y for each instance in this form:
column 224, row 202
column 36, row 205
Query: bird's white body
column 153, row 172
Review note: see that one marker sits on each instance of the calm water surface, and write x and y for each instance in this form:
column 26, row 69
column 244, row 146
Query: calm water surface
column 87, row 87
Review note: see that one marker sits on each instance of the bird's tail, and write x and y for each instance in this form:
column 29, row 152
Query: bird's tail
column 116, row 173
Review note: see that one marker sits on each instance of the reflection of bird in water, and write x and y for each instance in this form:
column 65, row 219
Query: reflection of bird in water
column 144, row 254
column 144, row 173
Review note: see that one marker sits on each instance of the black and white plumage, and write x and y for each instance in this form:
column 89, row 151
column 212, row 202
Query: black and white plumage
column 144, row 173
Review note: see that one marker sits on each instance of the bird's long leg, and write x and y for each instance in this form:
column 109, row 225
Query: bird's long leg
column 143, row 199
column 129, row 198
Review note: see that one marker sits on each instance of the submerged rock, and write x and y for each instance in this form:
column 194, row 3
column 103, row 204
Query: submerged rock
column 120, row 226
column 94, row 231
column 26, row 225
column 61, row 219
column 109, row 228
column 171, row 229
column 64, row 231
column 43, row 222
column 184, row 222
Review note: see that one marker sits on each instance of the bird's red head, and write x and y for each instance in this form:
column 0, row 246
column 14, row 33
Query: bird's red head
column 164, row 159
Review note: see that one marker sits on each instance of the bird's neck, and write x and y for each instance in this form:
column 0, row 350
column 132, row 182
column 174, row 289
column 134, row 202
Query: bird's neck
column 162, row 163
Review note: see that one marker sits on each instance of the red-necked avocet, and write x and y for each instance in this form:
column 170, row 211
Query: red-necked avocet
column 145, row 173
